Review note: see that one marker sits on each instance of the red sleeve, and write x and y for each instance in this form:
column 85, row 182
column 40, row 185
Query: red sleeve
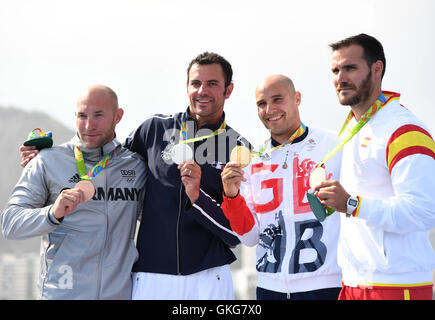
column 408, row 140
column 238, row 213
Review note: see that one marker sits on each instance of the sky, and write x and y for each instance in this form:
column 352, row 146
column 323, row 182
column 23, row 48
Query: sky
column 50, row 50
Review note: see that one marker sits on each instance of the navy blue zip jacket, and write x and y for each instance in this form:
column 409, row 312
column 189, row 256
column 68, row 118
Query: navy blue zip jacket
column 175, row 236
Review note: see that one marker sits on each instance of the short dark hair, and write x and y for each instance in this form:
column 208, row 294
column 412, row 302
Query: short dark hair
column 211, row 58
column 373, row 50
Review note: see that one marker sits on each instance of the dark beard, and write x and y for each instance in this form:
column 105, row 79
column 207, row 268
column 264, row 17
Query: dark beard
column 362, row 94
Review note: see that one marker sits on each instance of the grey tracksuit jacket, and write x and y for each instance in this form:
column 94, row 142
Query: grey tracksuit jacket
column 89, row 254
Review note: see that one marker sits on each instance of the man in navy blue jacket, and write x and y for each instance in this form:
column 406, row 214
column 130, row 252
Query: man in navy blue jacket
column 184, row 238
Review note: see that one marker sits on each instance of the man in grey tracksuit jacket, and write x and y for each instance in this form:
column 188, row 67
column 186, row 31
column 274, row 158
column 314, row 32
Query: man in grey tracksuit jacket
column 89, row 253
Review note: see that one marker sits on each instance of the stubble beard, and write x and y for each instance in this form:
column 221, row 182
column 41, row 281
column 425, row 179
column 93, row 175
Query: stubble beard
column 362, row 95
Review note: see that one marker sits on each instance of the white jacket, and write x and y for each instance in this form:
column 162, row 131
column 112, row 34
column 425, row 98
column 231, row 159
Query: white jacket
column 390, row 165
column 295, row 252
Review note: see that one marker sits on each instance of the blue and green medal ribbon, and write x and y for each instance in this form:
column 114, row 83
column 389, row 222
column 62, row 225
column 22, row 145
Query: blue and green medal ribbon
column 183, row 132
column 299, row 132
column 78, row 154
column 375, row 107
column 320, row 211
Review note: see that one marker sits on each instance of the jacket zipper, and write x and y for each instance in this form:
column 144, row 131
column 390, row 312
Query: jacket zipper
column 100, row 273
column 179, row 217
column 178, row 230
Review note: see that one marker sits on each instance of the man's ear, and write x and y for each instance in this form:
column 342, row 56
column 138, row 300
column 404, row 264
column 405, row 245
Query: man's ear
column 378, row 68
column 118, row 115
column 297, row 98
column 228, row 90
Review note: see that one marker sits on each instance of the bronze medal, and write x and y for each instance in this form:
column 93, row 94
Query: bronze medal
column 88, row 189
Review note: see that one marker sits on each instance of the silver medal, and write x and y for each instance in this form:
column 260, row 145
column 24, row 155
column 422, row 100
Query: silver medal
column 181, row 152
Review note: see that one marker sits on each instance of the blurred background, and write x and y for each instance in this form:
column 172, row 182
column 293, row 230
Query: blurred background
column 51, row 50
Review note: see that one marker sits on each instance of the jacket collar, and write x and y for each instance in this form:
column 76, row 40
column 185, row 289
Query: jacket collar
column 298, row 139
column 212, row 127
column 95, row 154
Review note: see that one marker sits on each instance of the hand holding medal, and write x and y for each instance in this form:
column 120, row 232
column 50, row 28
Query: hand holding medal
column 87, row 188
column 67, row 201
column 181, row 152
column 320, row 211
column 190, row 173
column 241, row 155
column 85, row 185
column 318, row 175
column 232, row 175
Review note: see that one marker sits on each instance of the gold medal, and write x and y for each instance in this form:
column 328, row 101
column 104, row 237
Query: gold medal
column 242, row 155
column 317, row 176
column 88, row 189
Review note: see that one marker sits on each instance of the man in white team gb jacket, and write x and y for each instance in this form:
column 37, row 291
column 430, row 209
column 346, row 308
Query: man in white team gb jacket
column 387, row 188
column 296, row 254
column 88, row 248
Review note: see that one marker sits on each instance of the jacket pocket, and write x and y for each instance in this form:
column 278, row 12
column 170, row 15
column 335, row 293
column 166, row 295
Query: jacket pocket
column 55, row 242
column 364, row 245
column 57, row 275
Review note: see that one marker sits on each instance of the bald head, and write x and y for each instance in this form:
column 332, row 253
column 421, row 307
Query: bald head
column 97, row 114
column 274, row 79
column 277, row 103
column 103, row 94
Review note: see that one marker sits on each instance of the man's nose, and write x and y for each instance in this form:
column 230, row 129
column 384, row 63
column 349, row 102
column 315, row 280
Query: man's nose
column 341, row 77
column 90, row 123
column 202, row 89
column 270, row 108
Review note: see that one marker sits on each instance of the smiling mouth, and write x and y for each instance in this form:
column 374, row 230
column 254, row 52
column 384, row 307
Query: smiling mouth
column 274, row 118
column 203, row 100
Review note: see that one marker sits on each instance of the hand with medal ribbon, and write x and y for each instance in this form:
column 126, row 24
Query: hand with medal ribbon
column 36, row 140
column 243, row 155
column 318, row 175
column 83, row 191
column 85, row 184
column 232, row 175
column 182, row 152
column 182, row 155
column 39, row 139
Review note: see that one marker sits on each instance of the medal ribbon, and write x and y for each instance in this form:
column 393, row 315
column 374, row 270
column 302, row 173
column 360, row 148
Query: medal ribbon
column 78, row 154
column 375, row 107
column 300, row 131
column 183, row 132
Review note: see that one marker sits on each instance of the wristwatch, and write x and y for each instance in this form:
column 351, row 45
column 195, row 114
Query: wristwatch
column 352, row 204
